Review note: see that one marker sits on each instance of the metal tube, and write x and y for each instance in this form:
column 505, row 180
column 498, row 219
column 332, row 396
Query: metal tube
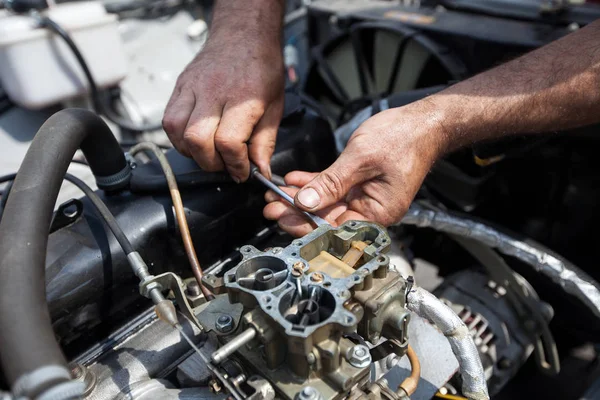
column 426, row 305
column 569, row 278
column 234, row 345
column 184, row 229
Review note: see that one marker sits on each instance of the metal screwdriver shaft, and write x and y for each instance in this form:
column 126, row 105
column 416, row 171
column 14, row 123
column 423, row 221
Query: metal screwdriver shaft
column 255, row 173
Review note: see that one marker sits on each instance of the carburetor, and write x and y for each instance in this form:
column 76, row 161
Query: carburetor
column 317, row 313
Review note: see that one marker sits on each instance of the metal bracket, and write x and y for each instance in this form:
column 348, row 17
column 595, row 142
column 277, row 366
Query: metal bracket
column 220, row 305
column 390, row 346
column 172, row 281
column 66, row 214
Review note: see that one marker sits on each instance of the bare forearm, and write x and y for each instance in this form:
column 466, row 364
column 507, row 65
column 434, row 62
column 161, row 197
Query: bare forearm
column 553, row 88
column 248, row 19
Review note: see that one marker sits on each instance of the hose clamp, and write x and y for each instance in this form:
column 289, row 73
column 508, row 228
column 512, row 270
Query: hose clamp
column 31, row 382
column 114, row 182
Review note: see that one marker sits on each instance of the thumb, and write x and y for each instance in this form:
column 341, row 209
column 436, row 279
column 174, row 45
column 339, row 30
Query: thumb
column 332, row 185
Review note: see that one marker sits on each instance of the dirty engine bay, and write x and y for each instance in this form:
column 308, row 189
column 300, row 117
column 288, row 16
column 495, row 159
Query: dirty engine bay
column 164, row 281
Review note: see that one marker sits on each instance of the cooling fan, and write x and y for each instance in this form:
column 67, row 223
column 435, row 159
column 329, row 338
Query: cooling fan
column 371, row 61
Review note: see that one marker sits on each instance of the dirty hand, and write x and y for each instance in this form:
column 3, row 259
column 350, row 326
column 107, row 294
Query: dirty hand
column 375, row 178
column 227, row 104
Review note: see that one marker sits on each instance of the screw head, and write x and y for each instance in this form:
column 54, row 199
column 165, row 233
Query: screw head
column 359, row 356
column 316, row 277
column 308, row 393
column 298, row 269
column 224, row 323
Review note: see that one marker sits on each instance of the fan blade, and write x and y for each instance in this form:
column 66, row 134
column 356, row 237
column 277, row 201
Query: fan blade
column 413, row 61
column 386, row 46
column 343, row 64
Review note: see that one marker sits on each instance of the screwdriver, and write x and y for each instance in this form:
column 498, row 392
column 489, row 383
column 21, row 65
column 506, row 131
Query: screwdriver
column 255, row 173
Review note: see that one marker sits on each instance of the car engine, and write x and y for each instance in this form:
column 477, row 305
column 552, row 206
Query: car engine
column 164, row 281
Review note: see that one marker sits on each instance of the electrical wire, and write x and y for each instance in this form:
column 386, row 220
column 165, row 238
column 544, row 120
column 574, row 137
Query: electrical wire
column 97, row 104
column 49, row 24
column 103, row 212
column 409, row 385
column 9, row 177
column 4, row 198
column 3, row 179
column 184, row 229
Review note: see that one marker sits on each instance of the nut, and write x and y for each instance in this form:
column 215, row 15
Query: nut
column 316, row 277
column 308, row 393
column 359, row 356
column 224, row 323
column 148, row 286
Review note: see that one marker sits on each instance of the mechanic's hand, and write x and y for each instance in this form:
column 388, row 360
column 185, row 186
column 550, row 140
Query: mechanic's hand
column 375, row 178
column 227, row 105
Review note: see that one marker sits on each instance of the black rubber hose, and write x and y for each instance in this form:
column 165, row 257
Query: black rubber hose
column 144, row 182
column 27, row 341
column 48, row 23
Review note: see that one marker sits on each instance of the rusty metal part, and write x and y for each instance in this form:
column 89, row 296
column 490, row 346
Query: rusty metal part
column 298, row 269
column 215, row 386
column 184, row 229
column 409, row 385
column 317, row 277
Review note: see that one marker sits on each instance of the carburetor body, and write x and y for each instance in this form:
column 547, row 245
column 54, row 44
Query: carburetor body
column 318, row 312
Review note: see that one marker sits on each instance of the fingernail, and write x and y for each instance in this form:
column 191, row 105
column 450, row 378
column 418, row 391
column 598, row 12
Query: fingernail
column 269, row 174
column 309, row 198
column 236, row 179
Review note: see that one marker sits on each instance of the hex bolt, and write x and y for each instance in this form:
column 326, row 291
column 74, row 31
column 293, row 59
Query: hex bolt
column 359, row 356
column 224, row 323
column 83, row 374
column 316, row 277
column 308, row 393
